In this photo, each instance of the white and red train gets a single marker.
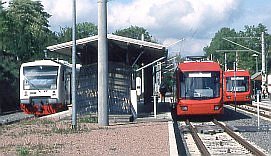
(45, 86)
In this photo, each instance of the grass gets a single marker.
(22, 151)
(88, 119)
(39, 149)
(37, 122)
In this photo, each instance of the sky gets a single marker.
(168, 21)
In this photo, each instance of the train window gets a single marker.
(200, 85)
(40, 77)
(238, 84)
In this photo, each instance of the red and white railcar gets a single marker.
(199, 88)
(237, 88)
(45, 86)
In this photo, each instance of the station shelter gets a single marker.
(125, 57)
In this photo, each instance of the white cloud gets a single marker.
(166, 20)
(61, 11)
(171, 19)
(187, 47)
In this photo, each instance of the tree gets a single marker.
(2, 27)
(245, 59)
(24, 35)
(84, 29)
(27, 28)
(135, 32)
(218, 43)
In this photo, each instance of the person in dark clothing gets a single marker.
(163, 90)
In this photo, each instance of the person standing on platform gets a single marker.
(163, 90)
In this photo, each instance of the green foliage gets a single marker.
(24, 34)
(88, 119)
(218, 43)
(135, 32)
(9, 88)
(22, 151)
(84, 29)
(2, 27)
(249, 37)
(27, 29)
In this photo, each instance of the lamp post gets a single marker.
(256, 59)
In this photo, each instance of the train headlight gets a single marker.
(247, 97)
(217, 107)
(184, 108)
(228, 97)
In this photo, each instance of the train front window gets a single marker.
(40, 77)
(241, 83)
(199, 85)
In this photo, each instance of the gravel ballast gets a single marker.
(240, 118)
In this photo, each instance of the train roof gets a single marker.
(237, 73)
(47, 62)
(199, 66)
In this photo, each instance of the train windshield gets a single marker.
(200, 85)
(40, 77)
(240, 82)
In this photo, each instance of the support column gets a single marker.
(263, 65)
(102, 64)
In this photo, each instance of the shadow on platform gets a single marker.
(147, 110)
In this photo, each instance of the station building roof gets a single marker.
(120, 49)
(257, 76)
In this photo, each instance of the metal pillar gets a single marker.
(225, 61)
(256, 60)
(235, 68)
(263, 64)
(236, 60)
(102, 64)
(74, 112)
(142, 81)
(258, 110)
(257, 68)
(160, 73)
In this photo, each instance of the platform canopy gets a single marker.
(257, 76)
(120, 49)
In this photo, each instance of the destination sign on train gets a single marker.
(199, 74)
(237, 78)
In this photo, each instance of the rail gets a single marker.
(240, 140)
(203, 150)
(254, 112)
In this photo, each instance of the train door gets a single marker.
(67, 87)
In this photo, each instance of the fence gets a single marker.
(119, 76)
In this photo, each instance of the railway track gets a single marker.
(213, 138)
(265, 112)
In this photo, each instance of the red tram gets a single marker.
(237, 87)
(199, 88)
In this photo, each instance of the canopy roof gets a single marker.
(120, 49)
(257, 76)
